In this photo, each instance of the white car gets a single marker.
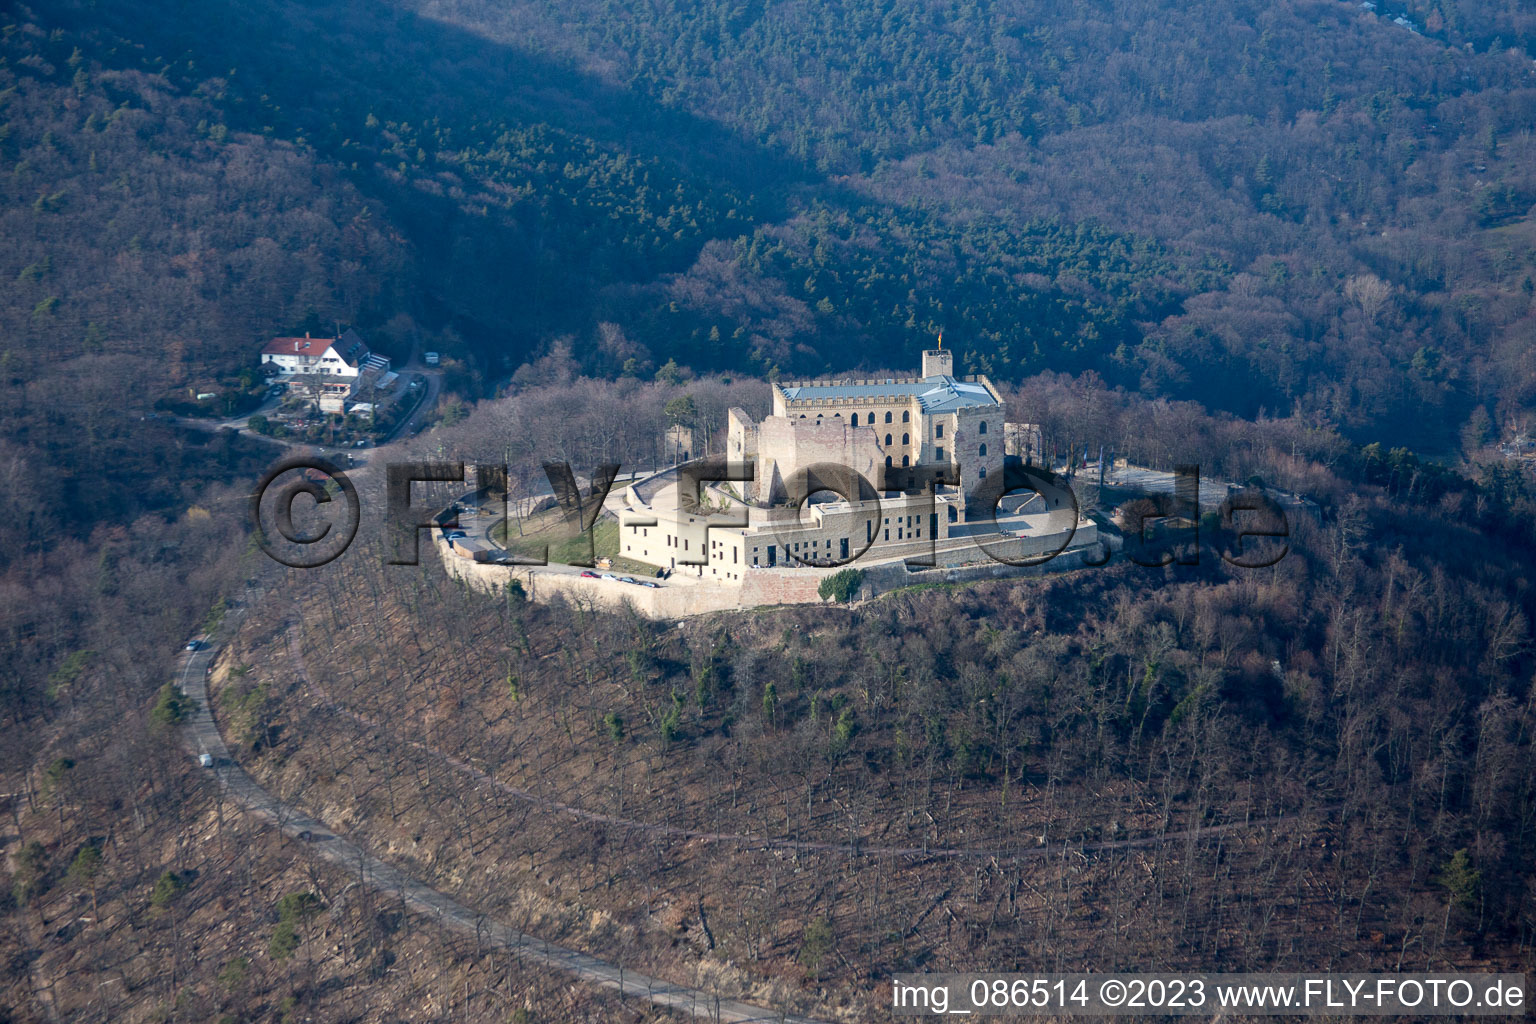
(193, 645)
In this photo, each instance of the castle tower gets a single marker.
(938, 362)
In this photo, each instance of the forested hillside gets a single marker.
(1327, 762)
(1344, 203)
(1306, 195)
(1264, 236)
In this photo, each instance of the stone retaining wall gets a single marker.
(758, 588)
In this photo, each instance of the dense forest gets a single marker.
(1307, 195)
(1292, 242)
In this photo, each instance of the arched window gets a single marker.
(887, 417)
(983, 474)
(853, 420)
(887, 440)
(888, 462)
(906, 460)
(906, 438)
(983, 451)
(983, 428)
(906, 417)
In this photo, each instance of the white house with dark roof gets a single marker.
(330, 368)
(345, 355)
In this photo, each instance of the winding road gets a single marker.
(203, 736)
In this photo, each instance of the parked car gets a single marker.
(609, 576)
(648, 583)
(454, 535)
(589, 574)
(206, 760)
(193, 645)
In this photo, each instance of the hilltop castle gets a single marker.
(789, 498)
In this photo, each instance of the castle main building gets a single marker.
(935, 419)
(720, 530)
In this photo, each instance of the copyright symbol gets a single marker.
(1112, 992)
(272, 512)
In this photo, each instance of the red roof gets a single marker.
(305, 346)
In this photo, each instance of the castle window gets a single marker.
(906, 417)
(887, 440)
(938, 430)
(983, 474)
(888, 462)
(983, 428)
(939, 453)
(853, 420)
(887, 417)
(906, 438)
(906, 460)
(983, 450)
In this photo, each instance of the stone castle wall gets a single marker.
(956, 563)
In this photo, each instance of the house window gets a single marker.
(983, 428)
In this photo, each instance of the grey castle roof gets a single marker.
(934, 394)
